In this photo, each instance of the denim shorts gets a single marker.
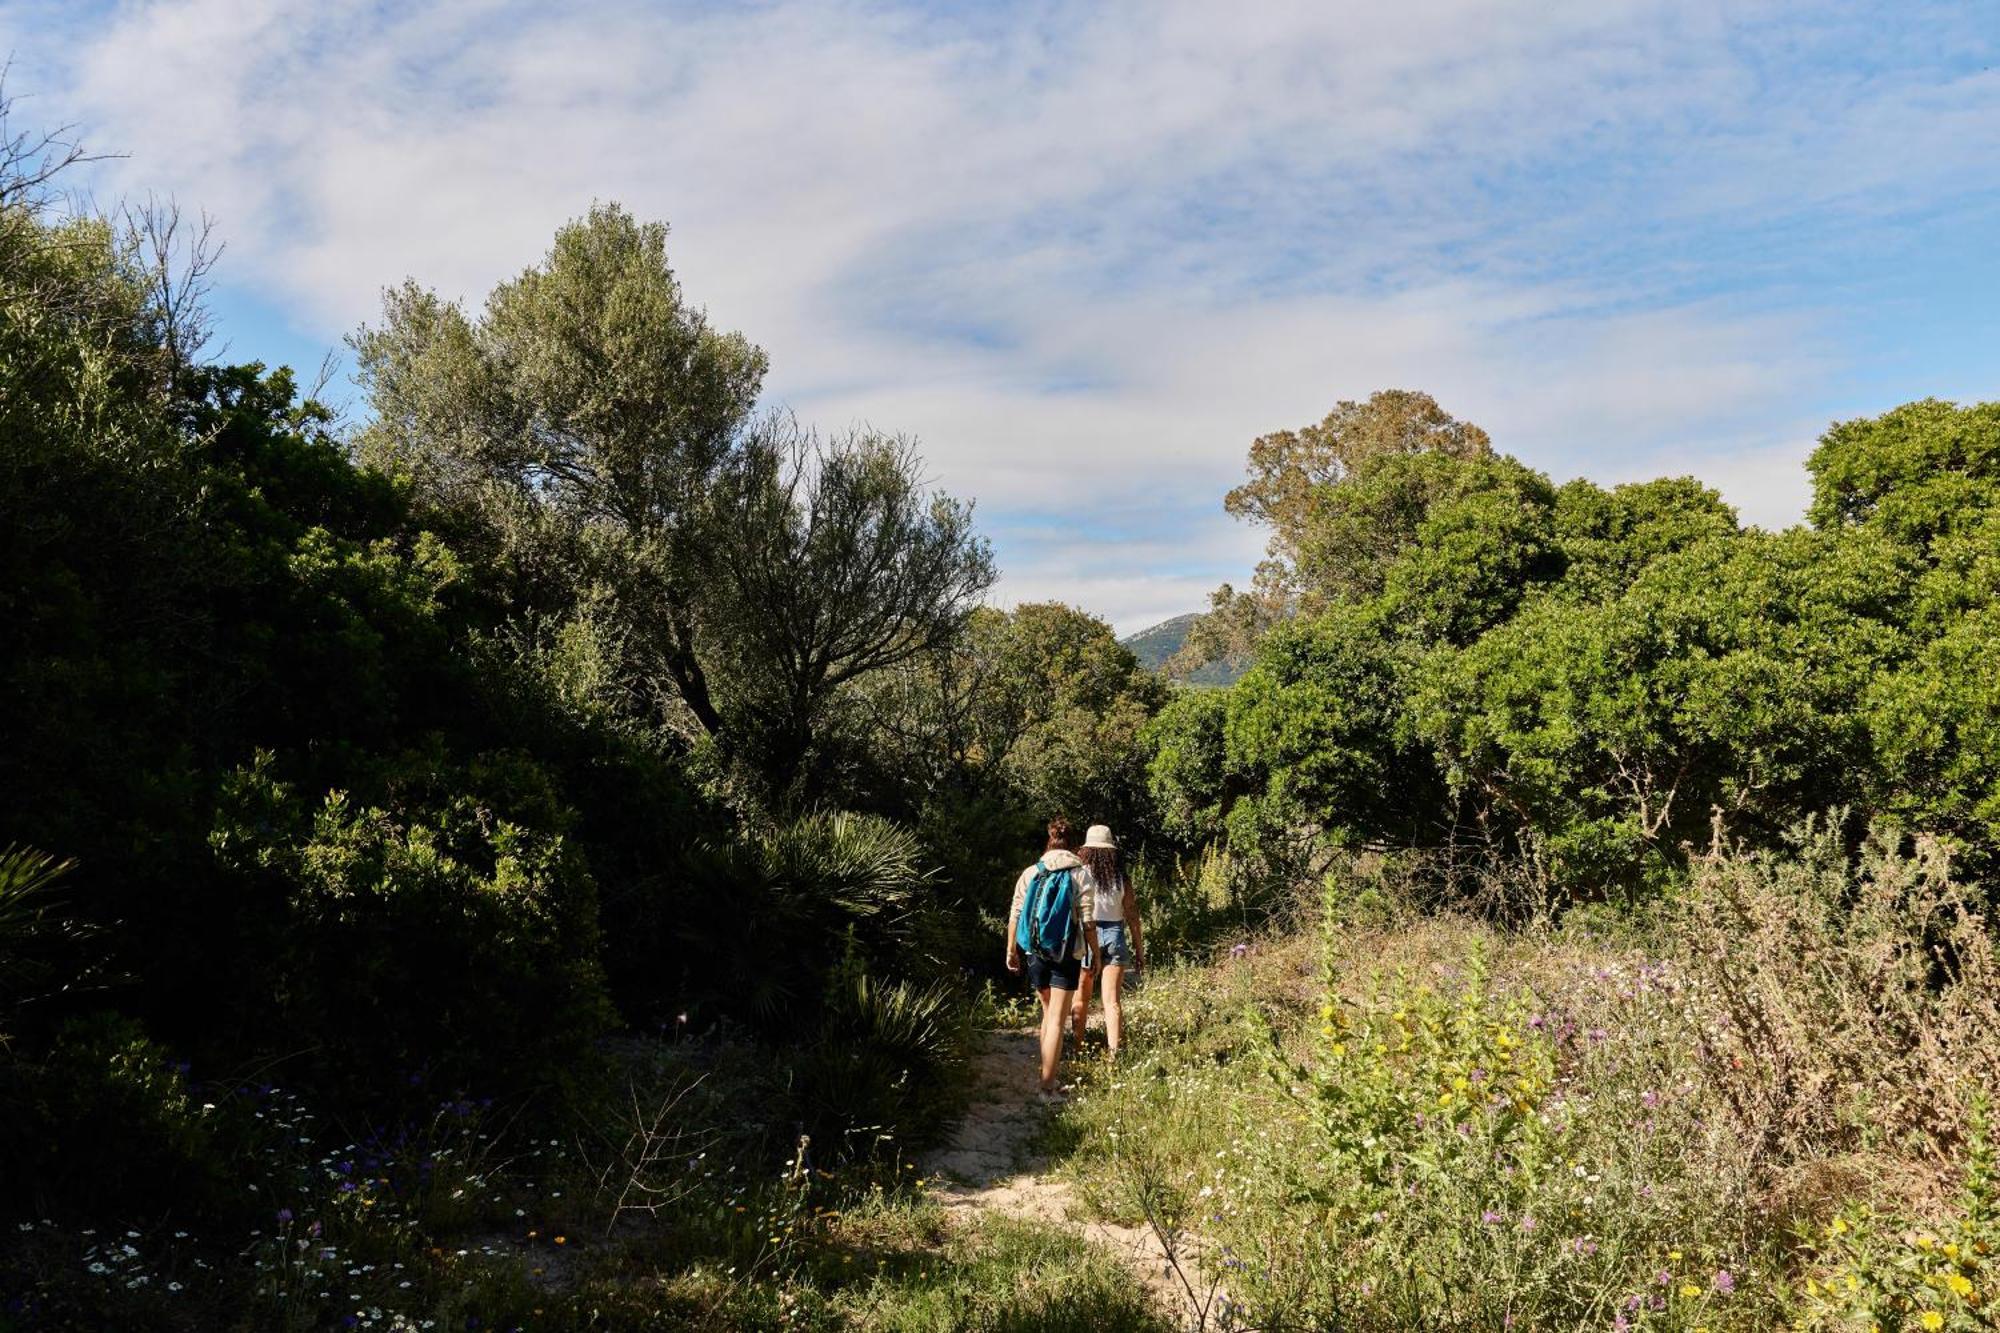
(1114, 945)
(1044, 975)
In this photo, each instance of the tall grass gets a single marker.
(1760, 1112)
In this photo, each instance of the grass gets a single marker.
(662, 1198)
(1762, 1106)
(1761, 1111)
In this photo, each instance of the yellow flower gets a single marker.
(1674, 1255)
(1690, 1290)
(1926, 1241)
(1839, 1227)
(1951, 1249)
(1960, 1284)
(1932, 1320)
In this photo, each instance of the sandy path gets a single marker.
(988, 1167)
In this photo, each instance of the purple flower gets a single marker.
(1725, 1282)
(1239, 951)
(1490, 1218)
(1663, 1277)
(284, 1214)
(1621, 1324)
(1649, 1099)
(1528, 1222)
(1584, 1246)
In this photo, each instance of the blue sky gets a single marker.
(1087, 252)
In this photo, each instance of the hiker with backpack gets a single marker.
(1117, 941)
(1048, 934)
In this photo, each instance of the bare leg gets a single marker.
(1054, 1004)
(1114, 1007)
(1079, 1008)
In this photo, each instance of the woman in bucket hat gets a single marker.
(1118, 938)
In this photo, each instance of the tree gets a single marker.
(1293, 477)
(1318, 728)
(1288, 468)
(1729, 679)
(1919, 473)
(587, 414)
(828, 562)
(599, 431)
(1609, 536)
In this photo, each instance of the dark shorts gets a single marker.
(1044, 975)
(1114, 945)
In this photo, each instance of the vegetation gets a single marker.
(533, 858)
(1763, 1109)
(1578, 680)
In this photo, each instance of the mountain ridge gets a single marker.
(1155, 647)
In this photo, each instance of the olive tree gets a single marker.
(590, 422)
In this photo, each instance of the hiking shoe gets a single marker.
(1051, 1096)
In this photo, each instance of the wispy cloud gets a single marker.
(1087, 252)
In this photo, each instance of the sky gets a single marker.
(1086, 252)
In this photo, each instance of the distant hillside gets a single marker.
(1154, 646)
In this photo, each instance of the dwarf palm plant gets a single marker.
(33, 932)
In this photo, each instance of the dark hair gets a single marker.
(1104, 867)
(1062, 836)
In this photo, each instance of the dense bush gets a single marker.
(1581, 679)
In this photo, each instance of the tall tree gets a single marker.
(600, 431)
(1292, 475)
(829, 561)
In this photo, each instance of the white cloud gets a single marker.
(1087, 249)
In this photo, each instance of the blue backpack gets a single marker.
(1047, 926)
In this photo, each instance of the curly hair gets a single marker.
(1104, 868)
(1062, 835)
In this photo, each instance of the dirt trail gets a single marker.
(989, 1167)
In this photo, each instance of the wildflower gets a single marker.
(284, 1215)
(1690, 1290)
(1725, 1282)
(1528, 1223)
(1960, 1284)
(1490, 1218)
(1932, 1320)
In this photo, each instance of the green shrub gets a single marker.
(438, 938)
(882, 1074)
(105, 1125)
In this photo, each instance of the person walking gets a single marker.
(1048, 934)
(1118, 940)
